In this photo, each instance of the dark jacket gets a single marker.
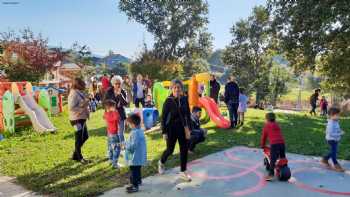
(121, 101)
(195, 123)
(314, 98)
(214, 89)
(171, 116)
(231, 92)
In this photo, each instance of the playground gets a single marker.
(41, 164)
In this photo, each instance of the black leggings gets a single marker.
(135, 175)
(139, 101)
(313, 109)
(81, 135)
(176, 133)
(277, 151)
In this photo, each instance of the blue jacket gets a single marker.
(333, 131)
(135, 148)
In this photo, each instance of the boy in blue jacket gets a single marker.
(135, 152)
(333, 135)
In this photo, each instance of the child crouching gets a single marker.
(135, 152)
(197, 133)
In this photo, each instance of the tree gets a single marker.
(278, 78)
(148, 64)
(196, 65)
(121, 69)
(26, 56)
(249, 54)
(310, 30)
(178, 27)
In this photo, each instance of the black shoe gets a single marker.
(132, 189)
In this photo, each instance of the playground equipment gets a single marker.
(49, 98)
(149, 116)
(18, 108)
(160, 93)
(282, 171)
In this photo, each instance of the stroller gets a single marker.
(282, 171)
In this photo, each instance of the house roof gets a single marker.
(70, 66)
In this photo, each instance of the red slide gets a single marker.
(214, 113)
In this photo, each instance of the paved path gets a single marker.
(8, 188)
(239, 172)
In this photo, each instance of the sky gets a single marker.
(103, 27)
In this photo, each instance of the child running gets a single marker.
(112, 117)
(323, 106)
(135, 152)
(272, 132)
(242, 106)
(333, 135)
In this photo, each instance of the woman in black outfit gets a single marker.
(175, 127)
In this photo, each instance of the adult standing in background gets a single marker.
(139, 91)
(148, 85)
(313, 101)
(78, 114)
(127, 86)
(232, 100)
(119, 96)
(214, 88)
(105, 84)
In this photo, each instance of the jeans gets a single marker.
(232, 110)
(138, 101)
(135, 175)
(276, 151)
(333, 146)
(113, 149)
(121, 130)
(81, 135)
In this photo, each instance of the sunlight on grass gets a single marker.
(42, 162)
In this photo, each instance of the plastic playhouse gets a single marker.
(49, 98)
(161, 91)
(19, 108)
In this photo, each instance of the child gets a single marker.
(92, 104)
(149, 102)
(135, 152)
(273, 132)
(324, 106)
(333, 135)
(112, 117)
(197, 133)
(242, 107)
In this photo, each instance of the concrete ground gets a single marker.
(239, 171)
(9, 188)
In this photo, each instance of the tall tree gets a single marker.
(248, 53)
(26, 56)
(178, 27)
(312, 29)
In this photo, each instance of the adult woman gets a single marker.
(78, 114)
(127, 86)
(139, 93)
(175, 127)
(119, 96)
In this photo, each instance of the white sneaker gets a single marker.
(161, 167)
(185, 176)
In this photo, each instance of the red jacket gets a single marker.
(272, 132)
(112, 120)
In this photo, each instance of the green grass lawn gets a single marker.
(42, 162)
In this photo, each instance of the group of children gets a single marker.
(273, 133)
(135, 147)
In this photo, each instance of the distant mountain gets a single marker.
(111, 60)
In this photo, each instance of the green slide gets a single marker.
(159, 96)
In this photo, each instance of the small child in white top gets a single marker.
(242, 107)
